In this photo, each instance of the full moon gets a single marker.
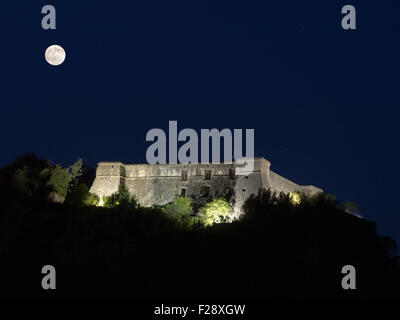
(55, 55)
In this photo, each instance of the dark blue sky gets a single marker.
(323, 101)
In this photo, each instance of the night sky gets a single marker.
(324, 102)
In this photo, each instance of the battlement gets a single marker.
(164, 170)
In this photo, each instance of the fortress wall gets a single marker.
(110, 169)
(161, 183)
(104, 186)
(265, 169)
(250, 183)
(280, 184)
(155, 190)
(161, 190)
(245, 186)
(175, 170)
(310, 190)
(108, 178)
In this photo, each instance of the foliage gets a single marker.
(140, 251)
(121, 199)
(24, 184)
(58, 179)
(88, 175)
(216, 211)
(180, 206)
(181, 210)
(295, 197)
(30, 179)
(23, 180)
(75, 170)
(90, 199)
(80, 196)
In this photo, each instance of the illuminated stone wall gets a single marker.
(161, 183)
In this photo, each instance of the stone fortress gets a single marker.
(158, 184)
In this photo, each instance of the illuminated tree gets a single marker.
(216, 211)
(121, 199)
(181, 209)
